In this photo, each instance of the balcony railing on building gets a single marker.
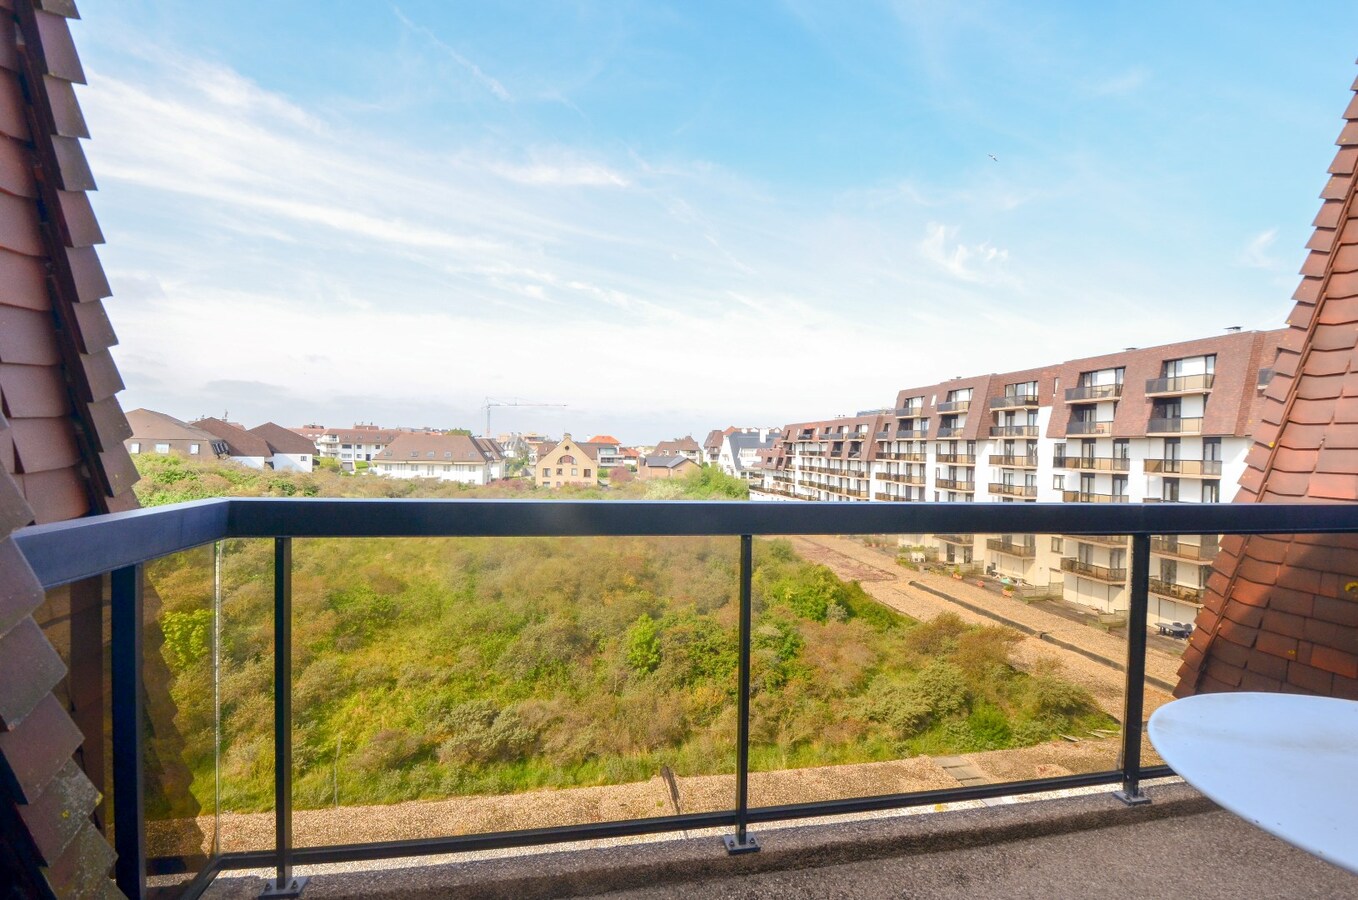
(1014, 401)
(953, 406)
(1093, 463)
(1013, 490)
(907, 434)
(1014, 462)
(1180, 384)
(1078, 426)
(1011, 548)
(1091, 497)
(951, 431)
(1206, 551)
(1105, 540)
(880, 495)
(1093, 392)
(1098, 573)
(1173, 425)
(1204, 468)
(904, 457)
(1029, 431)
(116, 548)
(957, 459)
(955, 484)
(1180, 592)
(901, 477)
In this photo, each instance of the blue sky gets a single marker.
(671, 218)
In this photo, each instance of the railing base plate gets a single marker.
(1132, 798)
(292, 889)
(734, 846)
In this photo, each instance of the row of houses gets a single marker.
(1167, 424)
(265, 446)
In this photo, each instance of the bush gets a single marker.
(481, 734)
(643, 645)
(387, 750)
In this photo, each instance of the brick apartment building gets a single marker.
(1168, 424)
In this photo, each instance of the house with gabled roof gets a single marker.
(670, 466)
(685, 446)
(447, 457)
(157, 432)
(566, 462)
(241, 446)
(289, 451)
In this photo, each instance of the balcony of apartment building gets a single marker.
(1171, 545)
(901, 477)
(955, 484)
(1091, 393)
(956, 459)
(960, 539)
(1015, 401)
(950, 431)
(1171, 425)
(1014, 461)
(1193, 468)
(1091, 497)
(1014, 431)
(953, 406)
(892, 498)
(1103, 540)
(1180, 592)
(1180, 385)
(1092, 463)
(1008, 546)
(1095, 572)
(1009, 489)
(904, 455)
(1089, 426)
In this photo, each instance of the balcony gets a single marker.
(904, 457)
(902, 478)
(883, 435)
(892, 498)
(1098, 573)
(1182, 593)
(1172, 425)
(1103, 540)
(1172, 546)
(953, 484)
(952, 406)
(1014, 401)
(1093, 392)
(1093, 463)
(1091, 497)
(1178, 385)
(1008, 547)
(116, 548)
(951, 431)
(909, 412)
(1014, 462)
(1197, 468)
(908, 434)
(1077, 426)
(1013, 490)
(957, 459)
(1029, 431)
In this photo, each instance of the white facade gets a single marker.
(443, 470)
(292, 462)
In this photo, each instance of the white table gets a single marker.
(1287, 763)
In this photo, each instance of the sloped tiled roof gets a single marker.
(149, 425)
(61, 439)
(425, 446)
(1278, 612)
(283, 440)
(239, 442)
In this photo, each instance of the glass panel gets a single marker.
(466, 685)
(180, 751)
(900, 663)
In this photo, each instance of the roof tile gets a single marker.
(58, 50)
(39, 746)
(33, 391)
(26, 337)
(20, 593)
(79, 228)
(96, 332)
(29, 669)
(56, 816)
(67, 119)
(16, 170)
(57, 495)
(1310, 679)
(19, 229)
(23, 282)
(41, 445)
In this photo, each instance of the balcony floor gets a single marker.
(1069, 847)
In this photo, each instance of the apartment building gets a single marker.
(1166, 424)
(447, 457)
(360, 444)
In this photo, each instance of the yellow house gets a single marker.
(568, 462)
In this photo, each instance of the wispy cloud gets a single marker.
(1121, 84)
(488, 82)
(1256, 252)
(981, 263)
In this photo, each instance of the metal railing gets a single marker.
(1013, 490)
(958, 459)
(949, 406)
(1018, 462)
(1078, 427)
(1000, 545)
(1210, 468)
(1206, 551)
(120, 545)
(1010, 401)
(1013, 431)
(1181, 592)
(950, 431)
(1181, 384)
(1089, 570)
(1174, 425)
(1091, 497)
(955, 484)
(1093, 392)
(1093, 463)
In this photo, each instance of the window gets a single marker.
(575, 473)
(162, 448)
(1058, 544)
(1211, 492)
(303, 457)
(1211, 448)
(560, 471)
(1122, 448)
(134, 447)
(1170, 493)
(546, 473)
(193, 449)
(587, 473)
(1172, 447)
(1059, 482)
(1120, 488)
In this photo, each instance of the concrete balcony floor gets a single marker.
(1080, 846)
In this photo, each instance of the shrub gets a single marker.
(643, 645)
(481, 733)
(386, 750)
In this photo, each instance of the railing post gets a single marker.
(129, 819)
(1135, 689)
(741, 841)
(284, 884)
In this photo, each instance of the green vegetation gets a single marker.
(436, 667)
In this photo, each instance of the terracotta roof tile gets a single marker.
(23, 282)
(16, 170)
(39, 746)
(1308, 290)
(96, 332)
(19, 229)
(1335, 661)
(41, 445)
(33, 391)
(1322, 239)
(82, 871)
(79, 228)
(90, 281)
(55, 496)
(56, 816)
(26, 337)
(67, 120)
(29, 669)
(20, 593)
(101, 376)
(1309, 679)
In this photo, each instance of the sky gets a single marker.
(668, 218)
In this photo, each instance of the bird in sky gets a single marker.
(992, 156)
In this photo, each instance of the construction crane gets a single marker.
(491, 404)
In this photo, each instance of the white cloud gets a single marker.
(491, 84)
(981, 263)
(1255, 254)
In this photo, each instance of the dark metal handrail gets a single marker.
(120, 544)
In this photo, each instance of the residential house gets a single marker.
(352, 446)
(608, 451)
(712, 444)
(156, 432)
(290, 451)
(685, 446)
(671, 466)
(241, 446)
(566, 462)
(447, 457)
(740, 449)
